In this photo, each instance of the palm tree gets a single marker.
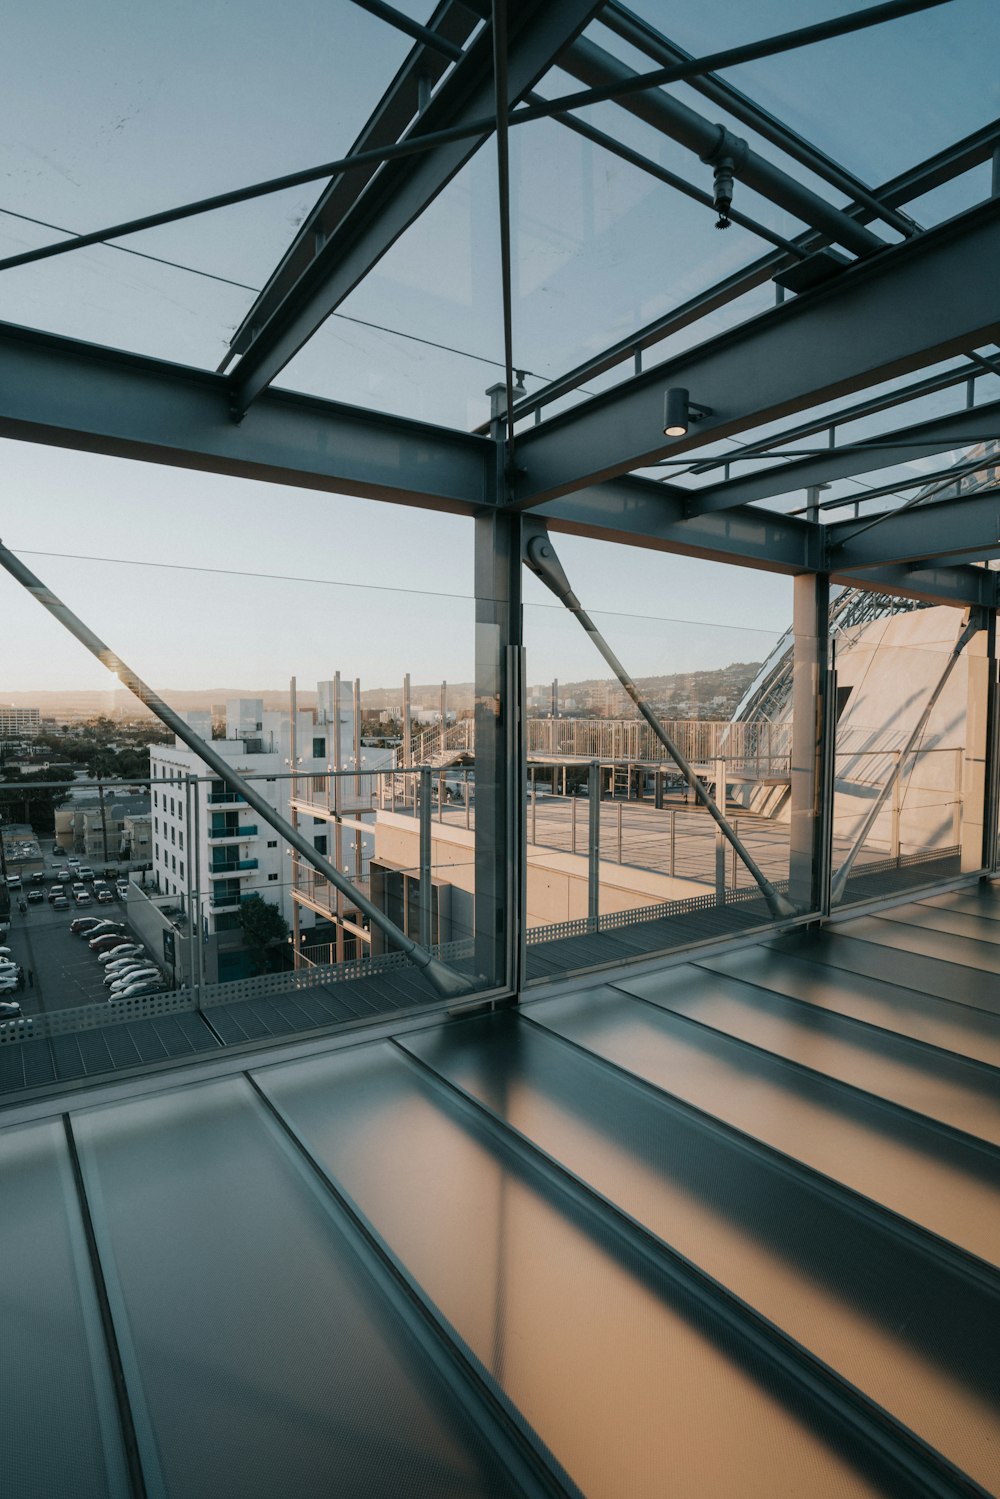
(102, 763)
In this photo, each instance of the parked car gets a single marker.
(60, 903)
(83, 924)
(99, 941)
(73, 862)
(36, 896)
(104, 896)
(9, 1009)
(128, 972)
(13, 882)
(133, 976)
(144, 986)
(5, 952)
(55, 890)
(122, 888)
(38, 877)
(86, 873)
(83, 897)
(99, 933)
(123, 950)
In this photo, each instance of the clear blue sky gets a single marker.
(116, 109)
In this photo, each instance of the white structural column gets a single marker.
(978, 809)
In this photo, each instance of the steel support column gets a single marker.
(500, 793)
(991, 788)
(813, 714)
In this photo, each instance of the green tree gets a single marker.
(20, 801)
(265, 932)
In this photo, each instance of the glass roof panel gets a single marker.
(422, 335)
(601, 248)
(137, 118)
(877, 100)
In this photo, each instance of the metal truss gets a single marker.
(853, 333)
(473, 73)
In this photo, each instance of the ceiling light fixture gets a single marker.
(679, 411)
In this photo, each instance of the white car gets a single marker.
(133, 983)
(128, 961)
(5, 952)
(126, 976)
(143, 986)
(123, 950)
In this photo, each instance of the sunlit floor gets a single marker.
(727, 1228)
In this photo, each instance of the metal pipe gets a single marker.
(196, 931)
(541, 557)
(598, 69)
(594, 845)
(839, 883)
(445, 979)
(293, 756)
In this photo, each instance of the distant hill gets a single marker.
(681, 694)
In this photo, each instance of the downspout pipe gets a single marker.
(445, 980)
(839, 883)
(713, 143)
(540, 556)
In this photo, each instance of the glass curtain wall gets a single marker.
(911, 741)
(635, 845)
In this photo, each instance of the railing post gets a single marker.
(196, 917)
(594, 845)
(572, 826)
(896, 809)
(425, 856)
(534, 805)
(720, 867)
(619, 832)
(673, 840)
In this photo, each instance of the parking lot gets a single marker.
(64, 970)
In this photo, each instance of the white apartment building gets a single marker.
(209, 850)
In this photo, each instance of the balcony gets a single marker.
(225, 798)
(233, 834)
(232, 868)
(227, 902)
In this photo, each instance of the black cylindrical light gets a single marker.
(675, 412)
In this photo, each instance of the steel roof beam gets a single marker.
(921, 301)
(958, 430)
(940, 584)
(637, 512)
(957, 159)
(772, 445)
(294, 306)
(73, 395)
(633, 512)
(964, 525)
